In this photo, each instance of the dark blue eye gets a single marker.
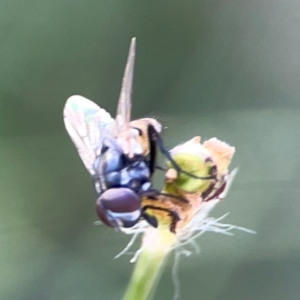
(119, 207)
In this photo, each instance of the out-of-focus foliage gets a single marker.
(219, 68)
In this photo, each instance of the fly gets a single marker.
(119, 154)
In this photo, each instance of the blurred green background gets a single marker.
(229, 69)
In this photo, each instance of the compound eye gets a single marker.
(119, 207)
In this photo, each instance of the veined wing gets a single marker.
(123, 114)
(86, 124)
(125, 136)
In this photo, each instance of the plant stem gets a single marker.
(156, 246)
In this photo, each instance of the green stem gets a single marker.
(147, 271)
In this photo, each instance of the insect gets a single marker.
(120, 154)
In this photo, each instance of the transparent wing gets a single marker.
(123, 114)
(86, 124)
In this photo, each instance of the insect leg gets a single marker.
(150, 219)
(153, 154)
(153, 194)
(172, 214)
(152, 150)
(154, 135)
(160, 168)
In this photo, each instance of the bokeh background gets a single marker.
(229, 69)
